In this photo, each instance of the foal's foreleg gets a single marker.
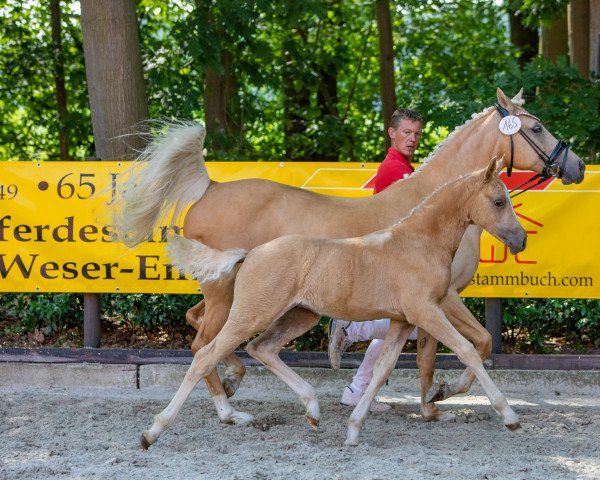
(393, 344)
(265, 348)
(234, 367)
(462, 319)
(432, 318)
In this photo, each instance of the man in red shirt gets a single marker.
(405, 132)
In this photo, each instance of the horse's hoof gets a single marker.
(229, 387)
(440, 417)
(313, 422)
(437, 392)
(513, 427)
(144, 443)
(239, 418)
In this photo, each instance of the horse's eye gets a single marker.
(537, 129)
(499, 203)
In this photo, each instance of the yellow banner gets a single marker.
(53, 239)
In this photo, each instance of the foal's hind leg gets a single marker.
(205, 361)
(266, 347)
(462, 319)
(234, 367)
(218, 302)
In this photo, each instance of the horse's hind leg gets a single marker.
(234, 367)
(426, 352)
(431, 317)
(266, 347)
(462, 319)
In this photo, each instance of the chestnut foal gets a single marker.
(410, 262)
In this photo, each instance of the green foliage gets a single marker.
(528, 323)
(542, 319)
(148, 311)
(44, 311)
(29, 125)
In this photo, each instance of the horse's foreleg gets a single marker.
(432, 318)
(393, 344)
(426, 352)
(462, 319)
(265, 348)
(234, 367)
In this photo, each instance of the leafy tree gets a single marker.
(28, 63)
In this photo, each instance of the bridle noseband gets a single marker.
(551, 169)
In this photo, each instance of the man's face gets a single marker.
(406, 137)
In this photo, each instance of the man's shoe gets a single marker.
(338, 341)
(351, 399)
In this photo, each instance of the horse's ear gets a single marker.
(518, 98)
(503, 100)
(494, 168)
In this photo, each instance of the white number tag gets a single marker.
(510, 124)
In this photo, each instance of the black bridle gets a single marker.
(551, 169)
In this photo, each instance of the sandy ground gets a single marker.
(93, 433)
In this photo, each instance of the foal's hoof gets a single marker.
(438, 392)
(513, 427)
(144, 442)
(313, 422)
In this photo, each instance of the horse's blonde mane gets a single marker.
(476, 116)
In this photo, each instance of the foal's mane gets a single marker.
(465, 184)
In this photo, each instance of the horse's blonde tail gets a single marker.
(173, 176)
(204, 263)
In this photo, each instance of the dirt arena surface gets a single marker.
(93, 433)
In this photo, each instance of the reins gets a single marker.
(551, 169)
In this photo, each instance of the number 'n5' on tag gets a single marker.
(510, 124)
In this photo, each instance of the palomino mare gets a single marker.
(247, 213)
(411, 261)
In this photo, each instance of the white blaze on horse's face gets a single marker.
(567, 166)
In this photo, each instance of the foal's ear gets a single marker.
(494, 168)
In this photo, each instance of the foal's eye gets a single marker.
(537, 128)
(499, 203)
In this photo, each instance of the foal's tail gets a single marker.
(173, 176)
(204, 263)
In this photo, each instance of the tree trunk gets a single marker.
(386, 63)
(118, 102)
(219, 95)
(578, 13)
(554, 39)
(296, 102)
(594, 33)
(114, 74)
(526, 39)
(60, 91)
